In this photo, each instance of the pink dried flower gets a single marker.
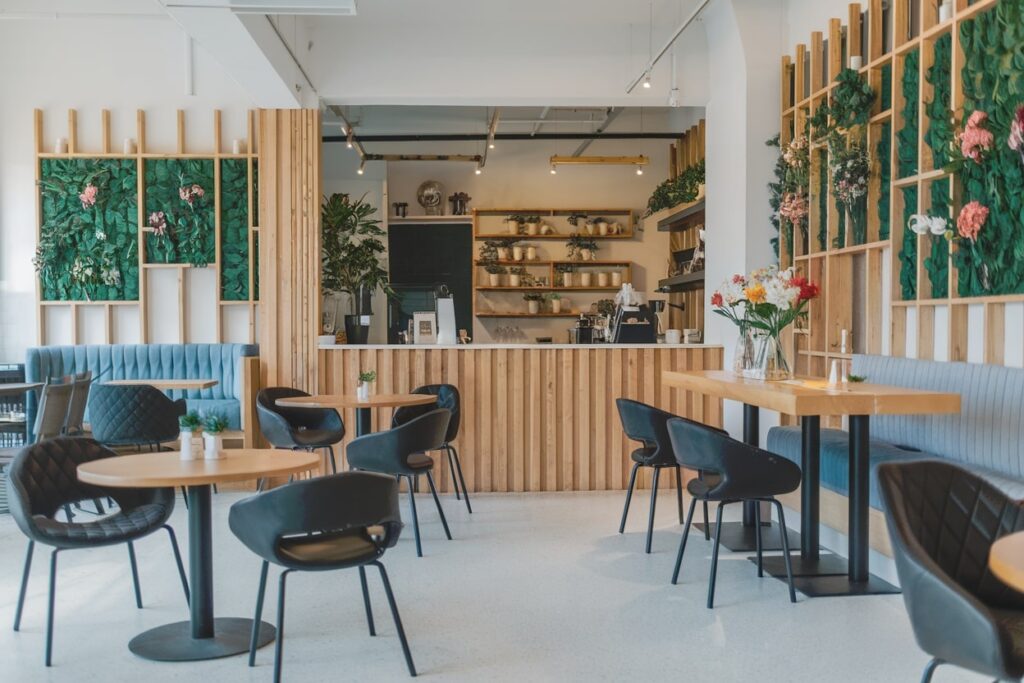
(975, 139)
(794, 208)
(88, 196)
(158, 223)
(971, 219)
(197, 191)
(1016, 139)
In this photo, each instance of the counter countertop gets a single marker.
(483, 347)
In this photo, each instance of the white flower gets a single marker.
(100, 235)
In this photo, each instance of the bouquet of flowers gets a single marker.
(851, 169)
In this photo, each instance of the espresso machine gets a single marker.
(634, 322)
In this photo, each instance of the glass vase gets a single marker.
(743, 357)
(772, 365)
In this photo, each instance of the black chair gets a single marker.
(746, 473)
(942, 522)
(646, 424)
(43, 478)
(52, 414)
(334, 522)
(303, 429)
(133, 415)
(80, 385)
(400, 452)
(449, 399)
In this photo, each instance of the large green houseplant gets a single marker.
(352, 258)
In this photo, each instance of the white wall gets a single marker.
(89, 65)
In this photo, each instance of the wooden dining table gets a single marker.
(166, 384)
(810, 400)
(15, 388)
(203, 636)
(1006, 560)
(363, 408)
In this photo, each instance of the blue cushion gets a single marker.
(147, 361)
(835, 457)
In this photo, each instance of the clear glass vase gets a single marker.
(744, 360)
(772, 365)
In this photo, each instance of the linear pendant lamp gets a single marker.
(638, 161)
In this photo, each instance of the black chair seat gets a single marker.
(329, 550)
(123, 526)
(419, 461)
(644, 455)
(317, 438)
(698, 488)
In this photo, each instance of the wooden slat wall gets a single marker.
(289, 194)
(533, 419)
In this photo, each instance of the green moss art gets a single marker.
(936, 264)
(182, 191)
(883, 152)
(255, 192)
(88, 246)
(822, 200)
(908, 252)
(906, 137)
(993, 82)
(839, 241)
(886, 95)
(939, 134)
(256, 266)
(234, 230)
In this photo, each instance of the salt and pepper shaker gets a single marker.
(842, 349)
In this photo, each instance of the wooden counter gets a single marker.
(534, 417)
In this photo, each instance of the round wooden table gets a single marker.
(1006, 560)
(202, 636)
(363, 408)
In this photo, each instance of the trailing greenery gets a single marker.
(234, 230)
(936, 264)
(822, 200)
(908, 252)
(88, 245)
(679, 190)
(352, 250)
(789, 190)
(775, 198)
(993, 82)
(939, 135)
(883, 152)
(906, 137)
(850, 102)
(182, 190)
(886, 87)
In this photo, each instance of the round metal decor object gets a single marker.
(430, 195)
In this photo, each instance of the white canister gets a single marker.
(323, 339)
(585, 279)
(616, 279)
(567, 279)
(191, 445)
(513, 280)
(495, 279)
(531, 253)
(673, 336)
(602, 279)
(213, 446)
(602, 228)
(128, 146)
(533, 307)
(517, 253)
(513, 227)
(556, 305)
(532, 228)
(856, 62)
(237, 146)
(503, 253)
(61, 146)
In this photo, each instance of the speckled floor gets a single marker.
(535, 587)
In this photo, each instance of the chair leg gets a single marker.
(462, 480)
(437, 501)
(757, 526)
(415, 517)
(334, 462)
(257, 620)
(99, 506)
(177, 561)
(451, 468)
(682, 541)
(135, 574)
(785, 549)
(714, 556)
(68, 513)
(707, 525)
(366, 600)
(398, 619)
(49, 606)
(184, 495)
(679, 493)
(629, 496)
(929, 670)
(650, 515)
(24, 585)
(279, 641)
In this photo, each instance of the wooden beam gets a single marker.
(853, 31)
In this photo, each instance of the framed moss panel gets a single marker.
(88, 238)
(938, 134)
(180, 211)
(936, 263)
(906, 136)
(908, 250)
(234, 229)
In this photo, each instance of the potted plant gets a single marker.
(564, 271)
(515, 276)
(581, 247)
(366, 380)
(352, 258)
(191, 426)
(600, 226)
(517, 253)
(532, 224)
(556, 302)
(214, 425)
(533, 302)
(494, 273)
(514, 221)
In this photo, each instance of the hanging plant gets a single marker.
(682, 189)
(788, 194)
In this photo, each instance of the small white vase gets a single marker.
(531, 253)
(602, 279)
(617, 279)
(503, 253)
(585, 279)
(532, 228)
(602, 229)
(517, 253)
(556, 305)
(363, 392)
(513, 280)
(533, 307)
(567, 279)
(513, 227)
(590, 228)
(213, 446)
(495, 279)
(191, 445)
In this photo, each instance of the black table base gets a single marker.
(741, 538)
(825, 564)
(838, 586)
(174, 642)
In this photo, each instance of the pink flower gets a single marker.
(185, 193)
(197, 191)
(977, 118)
(1016, 139)
(794, 207)
(88, 196)
(971, 219)
(158, 223)
(975, 139)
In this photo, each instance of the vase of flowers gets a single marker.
(767, 301)
(213, 436)
(850, 170)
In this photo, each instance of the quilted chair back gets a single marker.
(43, 477)
(133, 414)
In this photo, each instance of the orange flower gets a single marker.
(755, 294)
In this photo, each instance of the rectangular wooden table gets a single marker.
(166, 384)
(810, 400)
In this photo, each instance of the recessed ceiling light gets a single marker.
(647, 81)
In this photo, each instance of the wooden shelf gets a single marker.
(526, 314)
(668, 220)
(557, 236)
(683, 281)
(454, 220)
(547, 262)
(595, 288)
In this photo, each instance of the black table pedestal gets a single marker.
(203, 636)
(363, 424)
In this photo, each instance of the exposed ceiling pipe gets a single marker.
(492, 130)
(610, 116)
(661, 53)
(540, 122)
